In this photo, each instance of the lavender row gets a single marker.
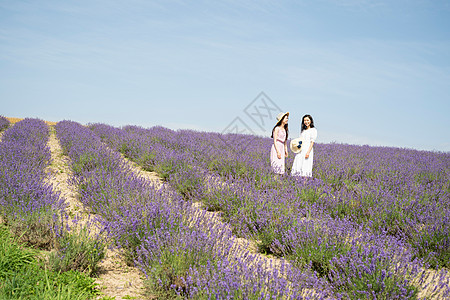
(273, 215)
(192, 257)
(28, 205)
(4, 123)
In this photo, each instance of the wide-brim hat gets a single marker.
(296, 145)
(281, 115)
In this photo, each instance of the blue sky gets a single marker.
(369, 72)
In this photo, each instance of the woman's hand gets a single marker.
(278, 155)
(307, 155)
(286, 153)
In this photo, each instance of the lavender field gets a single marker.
(367, 226)
(372, 223)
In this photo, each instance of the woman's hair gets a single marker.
(286, 127)
(303, 126)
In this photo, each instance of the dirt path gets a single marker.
(116, 279)
(150, 176)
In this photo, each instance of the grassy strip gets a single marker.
(25, 275)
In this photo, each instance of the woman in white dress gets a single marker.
(303, 161)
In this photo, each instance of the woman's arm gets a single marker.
(309, 150)
(313, 139)
(285, 149)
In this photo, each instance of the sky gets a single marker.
(368, 72)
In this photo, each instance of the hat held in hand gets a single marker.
(296, 145)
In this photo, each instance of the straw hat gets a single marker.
(281, 116)
(296, 145)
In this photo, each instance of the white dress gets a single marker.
(303, 166)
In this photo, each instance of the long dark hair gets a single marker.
(286, 127)
(303, 126)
